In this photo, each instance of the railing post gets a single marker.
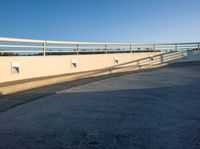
(106, 48)
(176, 47)
(77, 49)
(154, 47)
(130, 48)
(44, 48)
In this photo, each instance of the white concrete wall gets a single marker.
(87, 66)
(177, 57)
(40, 66)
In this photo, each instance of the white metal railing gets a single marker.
(14, 46)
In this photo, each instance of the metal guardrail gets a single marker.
(24, 47)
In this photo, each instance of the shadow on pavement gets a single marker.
(162, 117)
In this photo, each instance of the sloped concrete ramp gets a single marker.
(153, 110)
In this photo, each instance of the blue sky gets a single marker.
(102, 20)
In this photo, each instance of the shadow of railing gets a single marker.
(158, 60)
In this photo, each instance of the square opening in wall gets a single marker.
(151, 57)
(15, 68)
(74, 63)
(116, 60)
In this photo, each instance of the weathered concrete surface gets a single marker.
(155, 109)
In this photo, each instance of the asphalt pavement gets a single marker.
(157, 109)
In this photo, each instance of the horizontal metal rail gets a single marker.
(18, 51)
(20, 46)
(45, 47)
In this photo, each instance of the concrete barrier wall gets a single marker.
(40, 66)
(37, 71)
(177, 57)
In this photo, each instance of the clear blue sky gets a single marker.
(101, 20)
